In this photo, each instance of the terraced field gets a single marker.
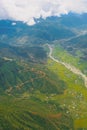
(75, 96)
(31, 114)
(43, 74)
(25, 102)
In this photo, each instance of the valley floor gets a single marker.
(68, 66)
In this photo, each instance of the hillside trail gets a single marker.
(68, 66)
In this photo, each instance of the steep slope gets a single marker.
(25, 91)
(28, 77)
(21, 114)
(77, 44)
(29, 53)
(37, 93)
(75, 50)
(41, 32)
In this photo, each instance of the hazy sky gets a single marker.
(26, 10)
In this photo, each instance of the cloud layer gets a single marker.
(27, 10)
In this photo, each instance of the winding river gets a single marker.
(68, 66)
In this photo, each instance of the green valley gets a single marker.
(43, 74)
(25, 101)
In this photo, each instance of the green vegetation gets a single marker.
(80, 124)
(36, 93)
(75, 96)
(28, 77)
(40, 96)
(25, 101)
(21, 114)
(63, 55)
(28, 53)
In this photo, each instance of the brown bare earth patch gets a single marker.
(59, 115)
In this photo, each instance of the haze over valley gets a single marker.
(43, 65)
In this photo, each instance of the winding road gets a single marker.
(68, 66)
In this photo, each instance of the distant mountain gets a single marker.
(22, 41)
(37, 93)
(77, 44)
(53, 28)
(46, 30)
(74, 20)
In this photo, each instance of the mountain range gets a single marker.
(36, 93)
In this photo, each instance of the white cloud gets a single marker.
(14, 23)
(27, 10)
